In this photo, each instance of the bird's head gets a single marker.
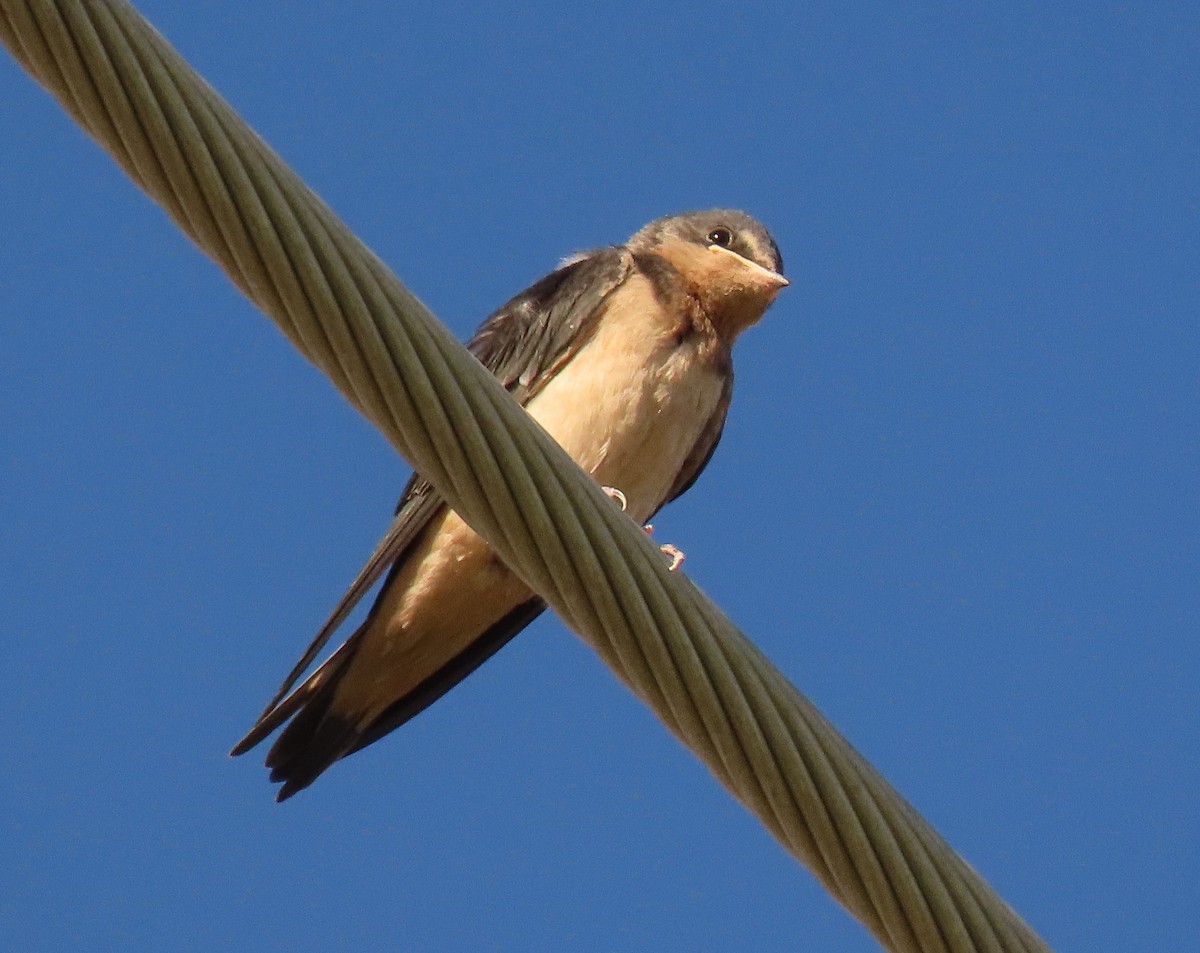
(728, 259)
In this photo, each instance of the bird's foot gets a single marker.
(673, 553)
(618, 496)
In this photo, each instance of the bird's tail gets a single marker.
(319, 733)
(316, 736)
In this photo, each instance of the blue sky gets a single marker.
(956, 501)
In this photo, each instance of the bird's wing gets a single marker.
(418, 504)
(705, 446)
(523, 343)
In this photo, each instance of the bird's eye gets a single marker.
(720, 236)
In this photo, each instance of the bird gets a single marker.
(623, 354)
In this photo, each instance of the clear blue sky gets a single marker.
(956, 501)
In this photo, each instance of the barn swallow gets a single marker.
(623, 355)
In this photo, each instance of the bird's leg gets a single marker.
(674, 554)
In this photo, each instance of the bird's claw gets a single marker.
(673, 553)
(618, 496)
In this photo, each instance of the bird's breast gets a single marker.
(630, 406)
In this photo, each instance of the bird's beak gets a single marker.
(766, 276)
